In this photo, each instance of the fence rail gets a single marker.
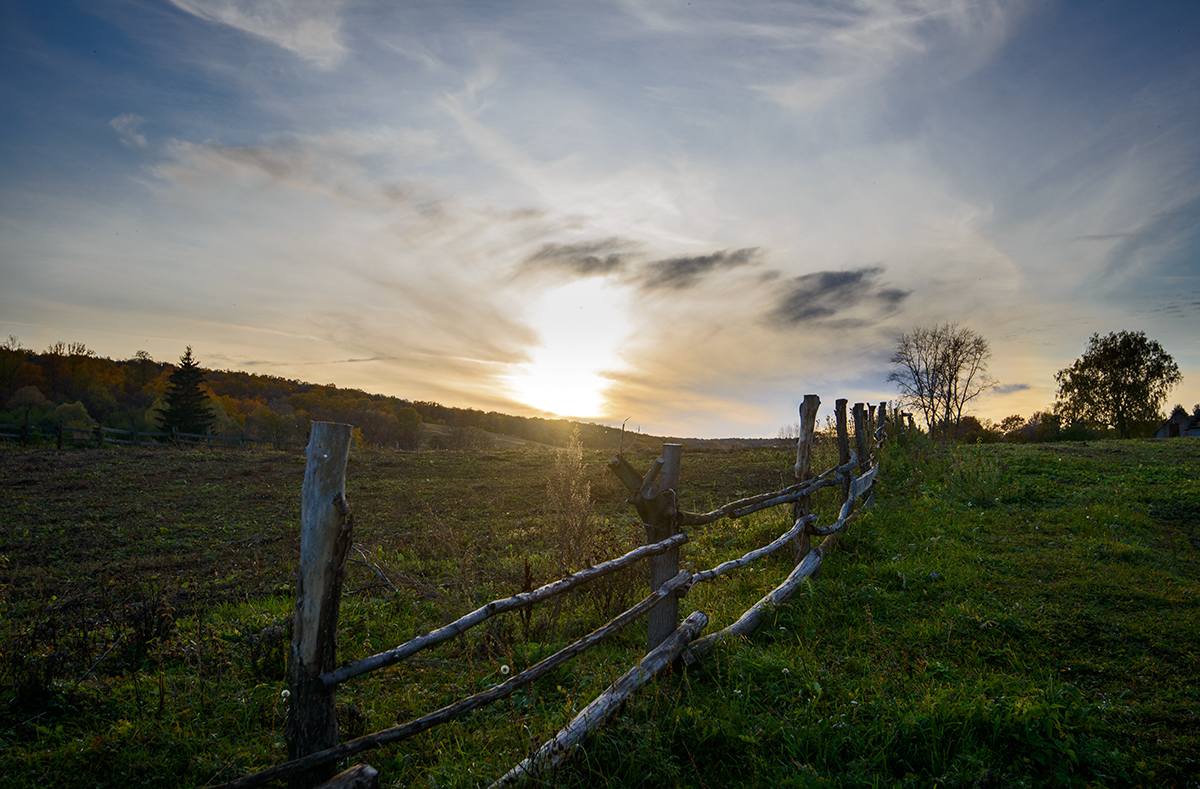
(326, 538)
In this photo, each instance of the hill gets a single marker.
(71, 384)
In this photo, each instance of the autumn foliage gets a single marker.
(69, 383)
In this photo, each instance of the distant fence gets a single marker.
(99, 436)
(325, 540)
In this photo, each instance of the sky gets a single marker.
(687, 215)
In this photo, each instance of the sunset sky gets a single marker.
(688, 214)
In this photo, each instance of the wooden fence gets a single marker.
(100, 436)
(326, 532)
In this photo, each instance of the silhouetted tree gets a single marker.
(187, 407)
(939, 370)
(1121, 381)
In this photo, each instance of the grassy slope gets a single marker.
(1016, 614)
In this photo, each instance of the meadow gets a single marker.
(1005, 615)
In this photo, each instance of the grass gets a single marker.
(1004, 616)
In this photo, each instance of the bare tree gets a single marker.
(939, 370)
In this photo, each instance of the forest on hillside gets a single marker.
(68, 383)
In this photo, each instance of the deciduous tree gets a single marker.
(1121, 381)
(939, 370)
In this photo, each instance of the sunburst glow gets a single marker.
(580, 325)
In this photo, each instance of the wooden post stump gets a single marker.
(843, 439)
(325, 538)
(804, 451)
(861, 447)
(664, 617)
(655, 495)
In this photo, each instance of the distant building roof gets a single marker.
(1180, 425)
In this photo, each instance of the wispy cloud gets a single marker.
(127, 125)
(310, 29)
(835, 47)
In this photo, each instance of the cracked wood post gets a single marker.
(804, 451)
(655, 495)
(664, 617)
(325, 526)
(860, 438)
(843, 440)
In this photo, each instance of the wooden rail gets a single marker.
(654, 494)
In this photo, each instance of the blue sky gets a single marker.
(688, 214)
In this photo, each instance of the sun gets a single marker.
(579, 326)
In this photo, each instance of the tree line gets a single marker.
(69, 383)
(1116, 388)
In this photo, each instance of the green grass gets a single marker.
(1005, 616)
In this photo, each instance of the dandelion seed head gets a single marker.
(504, 670)
(285, 693)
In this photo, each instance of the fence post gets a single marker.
(664, 617)
(656, 497)
(804, 450)
(860, 437)
(137, 441)
(843, 439)
(98, 431)
(325, 537)
(25, 429)
(60, 435)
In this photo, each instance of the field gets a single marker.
(1004, 616)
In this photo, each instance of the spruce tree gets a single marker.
(187, 408)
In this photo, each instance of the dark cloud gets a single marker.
(823, 294)
(685, 272)
(1010, 388)
(588, 259)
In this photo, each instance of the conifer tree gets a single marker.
(187, 408)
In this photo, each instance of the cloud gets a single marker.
(586, 259)
(823, 294)
(127, 125)
(344, 165)
(831, 49)
(309, 29)
(1010, 388)
(685, 272)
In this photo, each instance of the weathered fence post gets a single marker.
(655, 495)
(60, 435)
(804, 451)
(325, 536)
(860, 438)
(843, 439)
(664, 617)
(137, 441)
